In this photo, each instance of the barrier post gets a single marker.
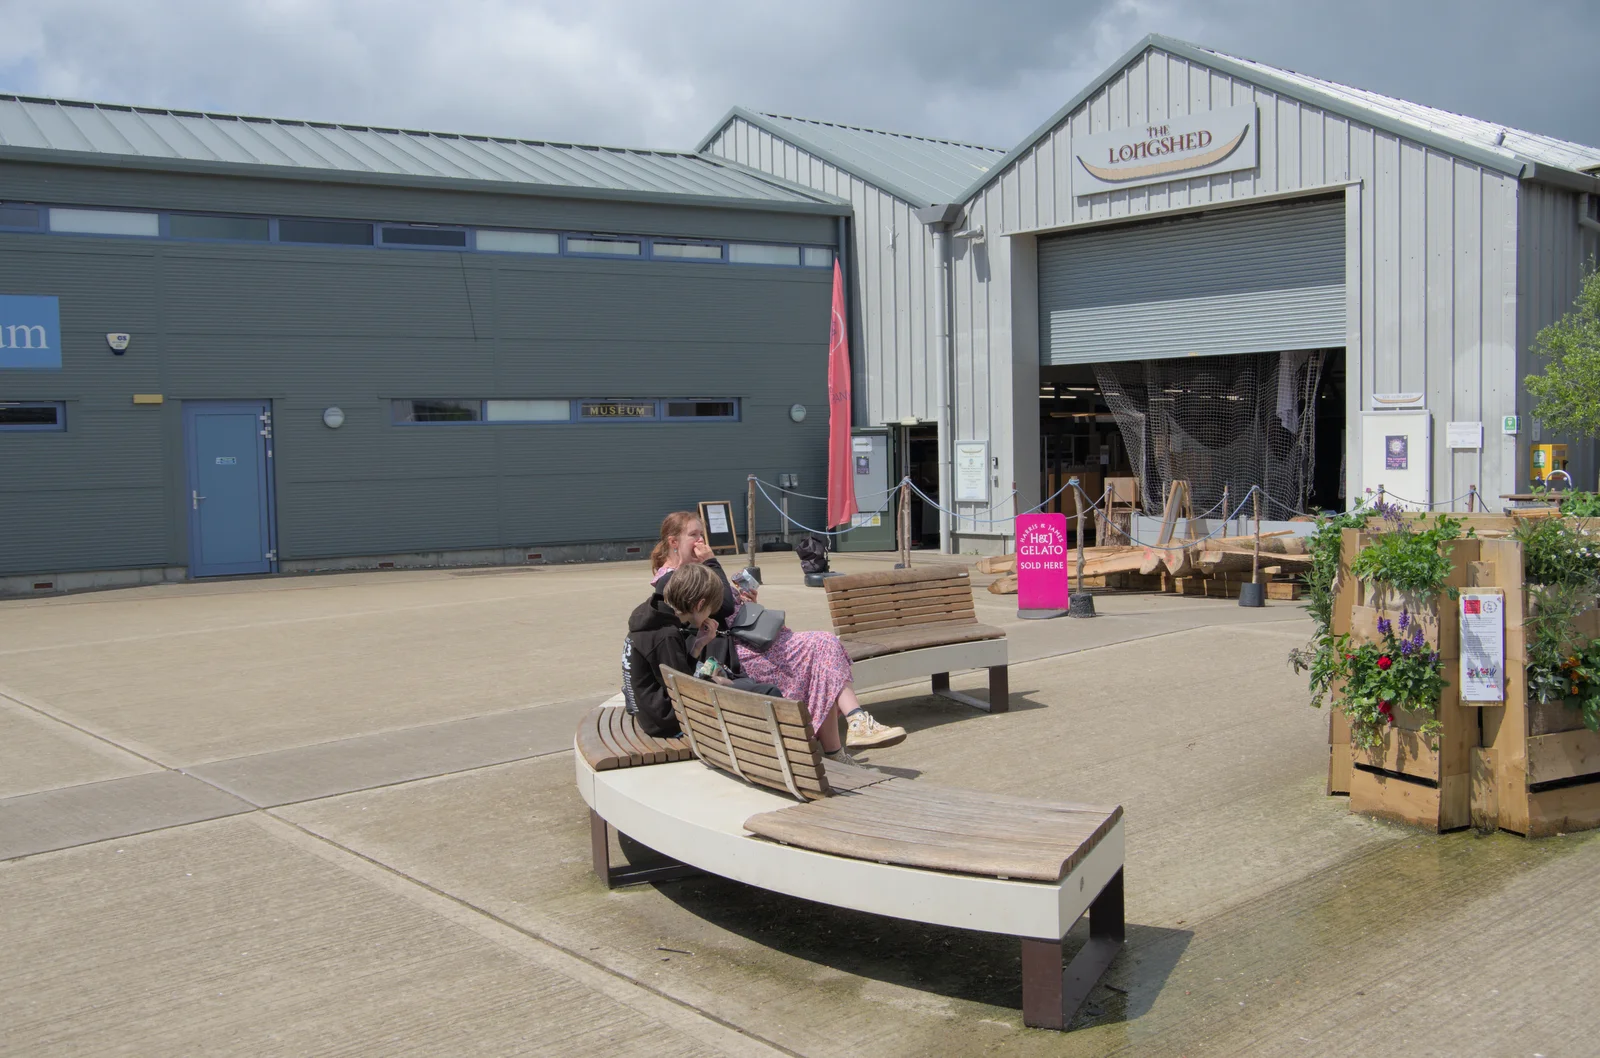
(902, 526)
(1226, 510)
(1079, 602)
(1254, 593)
(750, 529)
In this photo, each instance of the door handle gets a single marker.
(197, 498)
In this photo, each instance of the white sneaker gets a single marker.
(841, 756)
(865, 731)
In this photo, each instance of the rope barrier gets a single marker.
(760, 487)
(1136, 542)
(1418, 503)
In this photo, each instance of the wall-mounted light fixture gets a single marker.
(333, 418)
(797, 412)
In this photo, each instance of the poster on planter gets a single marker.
(1483, 647)
(1042, 562)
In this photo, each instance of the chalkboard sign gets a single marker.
(717, 518)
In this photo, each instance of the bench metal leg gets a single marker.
(1052, 993)
(999, 691)
(662, 869)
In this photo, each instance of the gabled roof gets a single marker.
(1512, 151)
(916, 169)
(104, 134)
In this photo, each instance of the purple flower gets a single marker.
(1385, 626)
(1407, 647)
(1416, 640)
(1433, 659)
(1405, 620)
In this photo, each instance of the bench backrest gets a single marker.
(901, 598)
(763, 740)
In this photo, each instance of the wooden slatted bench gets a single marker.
(609, 738)
(906, 624)
(854, 837)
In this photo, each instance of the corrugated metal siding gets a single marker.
(1237, 282)
(147, 133)
(1552, 252)
(896, 277)
(1434, 239)
(309, 328)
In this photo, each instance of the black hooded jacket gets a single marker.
(658, 638)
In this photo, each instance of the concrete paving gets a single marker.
(335, 814)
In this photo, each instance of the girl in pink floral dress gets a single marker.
(809, 667)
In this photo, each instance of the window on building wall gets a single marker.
(609, 247)
(238, 229)
(438, 411)
(761, 253)
(819, 256)
(701, 409)
(616, 410)
(447, 238)
(519, 241)
(688, 251)
(19, 217)
(104, 222)
(33, 415)
(527, 410)
(325, 232)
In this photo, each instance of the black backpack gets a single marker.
(813, 552)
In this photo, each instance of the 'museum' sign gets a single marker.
(1217, 141)
(30, 332)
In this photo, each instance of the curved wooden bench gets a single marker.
(906, 624)
(858, 838)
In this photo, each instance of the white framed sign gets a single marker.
(972, 471)
(1483, 646)
(1176, 148)
(1396, 452)
(1397, 400)
(1464, 434)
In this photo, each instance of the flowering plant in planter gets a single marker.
(1561, 567)
(1380, 679)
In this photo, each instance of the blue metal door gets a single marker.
(228, 448)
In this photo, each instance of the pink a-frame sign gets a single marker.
(1042, 562)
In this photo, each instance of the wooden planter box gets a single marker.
(1530, 768)
(1407, 779)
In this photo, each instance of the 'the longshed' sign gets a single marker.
(1217, 141)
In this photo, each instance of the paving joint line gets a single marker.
(469, 906)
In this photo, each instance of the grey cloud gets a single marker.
(650, 74)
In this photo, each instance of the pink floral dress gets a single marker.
(809, 667)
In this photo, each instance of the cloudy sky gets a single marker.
(658, 74)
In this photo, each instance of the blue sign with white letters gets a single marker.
(30, 332)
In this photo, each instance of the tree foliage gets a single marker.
(1567, 395)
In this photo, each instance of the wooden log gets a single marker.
(1270, 545)
(1212, 562)
(997, 563)
(1006, 585)
(1128, 561)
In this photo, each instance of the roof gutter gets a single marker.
(819, 203)
(1566, 179)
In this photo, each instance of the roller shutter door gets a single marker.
(1239, 281)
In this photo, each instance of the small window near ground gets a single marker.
(687, 251)
(592, 410)
(423, 411)
(702, 409)
(519, 241)
(104, 222)
(325, 232)
(527, 410)
(33, 415)
(611, 247)
(239, 229)
(818, 257)
(18, 217)
(455, 240)
(760, 253)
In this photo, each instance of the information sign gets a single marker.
(716, 516)
(1483, 647)
(1042, 562)
(972, 471)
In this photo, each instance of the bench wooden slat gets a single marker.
(891, 822)
(880, 599)
(609, 737)
(892, 578)
(875, 624)
(907, 610)
(741, 733)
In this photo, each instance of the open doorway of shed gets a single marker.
(919, 460)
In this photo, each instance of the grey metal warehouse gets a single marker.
(1208, 268)
(283, 346)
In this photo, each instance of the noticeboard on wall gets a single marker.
(972, 471)
(1396, 453)
(716, 516)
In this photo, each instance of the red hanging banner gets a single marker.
(841, 472)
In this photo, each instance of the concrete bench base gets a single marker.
(938, 663)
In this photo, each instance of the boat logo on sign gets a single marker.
(1216, 141)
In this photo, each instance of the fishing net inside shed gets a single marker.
(1217, 421)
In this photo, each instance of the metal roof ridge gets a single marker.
(1275, 79)
(387, 130)
(883, 132)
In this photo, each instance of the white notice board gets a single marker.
(972, 471)
(1396, 452)
(1483, 646)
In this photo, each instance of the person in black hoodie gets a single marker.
(674, 627)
